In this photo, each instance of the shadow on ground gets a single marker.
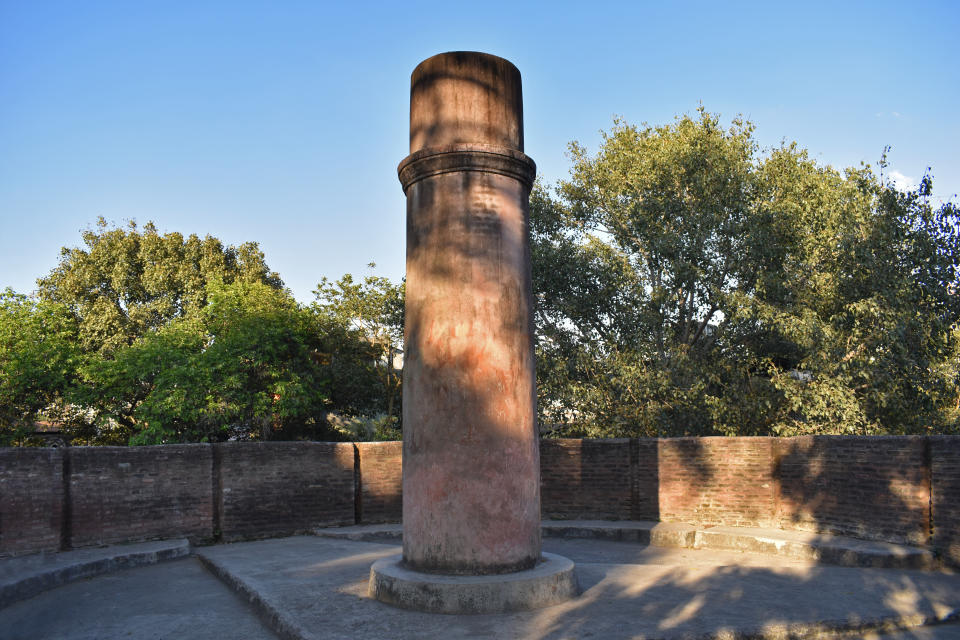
(317, 588)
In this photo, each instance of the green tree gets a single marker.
(126, 282)
(686, 284)
(250, 364)
(39, 357)
(147, 338)
(374, 308)
(887, 318)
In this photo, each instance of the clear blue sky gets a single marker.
(283, 122)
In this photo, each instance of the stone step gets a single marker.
(820, 547)
(823, 548)
(658, 534)
(364, 533)
(25, 576)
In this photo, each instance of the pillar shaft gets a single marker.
(471, 468)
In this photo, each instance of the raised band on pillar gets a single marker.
(471, 466)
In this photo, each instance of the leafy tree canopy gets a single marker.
(38, 360)
(145, 338)
(126, 282)
(373, 308)
(688, 284)
(250, 364)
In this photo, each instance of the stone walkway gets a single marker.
(26, 576)
(315, 587)
(176, 600)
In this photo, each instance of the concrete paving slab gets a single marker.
(312, 587)
(175, 600)
(25, 576)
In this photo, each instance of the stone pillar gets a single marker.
(471, 464)
(471, 467)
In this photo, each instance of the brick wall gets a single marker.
(716, 481)
(31, 500)
(945, 481)
(280, 488)
(381, 482)
(120, 494)
(645, 458)
(579, 479)
(892, 488)
(586, 479)
(875, 487)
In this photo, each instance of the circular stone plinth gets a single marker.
(550, 582)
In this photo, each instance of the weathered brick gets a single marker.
(870, 487)
(280, 488)
(582, 479)
(123, 494)
(945, 481)
(31, 500)
(876, 487)
(716, 481)
(381, 481)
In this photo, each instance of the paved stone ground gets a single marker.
(26, 576)
(170, 601)
(316, 588)
(313, 587)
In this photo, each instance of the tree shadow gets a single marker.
(441, 88)
(635, 591)
(876, 488)
(647, 601)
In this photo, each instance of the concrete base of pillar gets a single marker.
(550, 582)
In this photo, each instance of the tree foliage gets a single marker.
(250, 364)
(687, 284)
(127, 282)
(374, 308)
(148, 338)
(38, 359)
